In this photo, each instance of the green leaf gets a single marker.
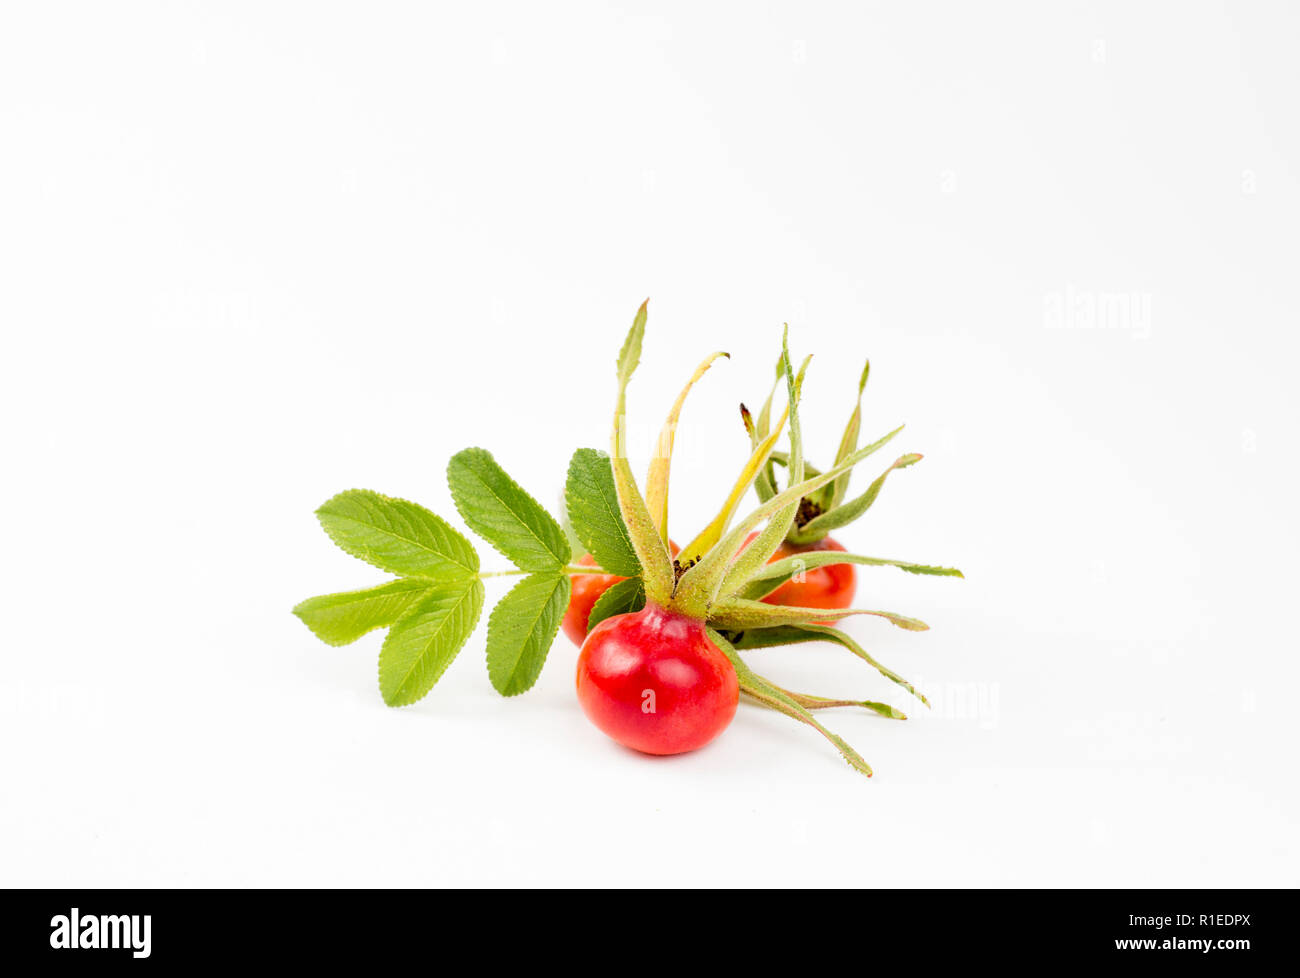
(776, 698)
(499, 511)
(619, 599)
(339, 619)
(425, 640)
(593, 510)
(651, 551)
(397, 536)
(773, 575)
(844, 515)
(521, 629)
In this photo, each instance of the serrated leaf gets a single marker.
(819, 526)
(499, 511)
(521, 629)
(592, 501)
(342, 618)
(622, 598)
(422, 644)
(397, 536)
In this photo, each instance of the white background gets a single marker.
(254, 254)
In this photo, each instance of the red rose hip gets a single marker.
(653, 681)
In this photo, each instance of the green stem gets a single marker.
(572, 570)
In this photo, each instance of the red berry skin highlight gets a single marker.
(653, 681)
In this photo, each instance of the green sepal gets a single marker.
(657, 478)
(833, 494)
(772, 696)
(763, 638)
(708, 573)
(717, 527)
(817, 528)
(770, 538)
(810, 471)
(651, 551)
(738, 614)
(773, 575)
(765, 482)
(810, 702)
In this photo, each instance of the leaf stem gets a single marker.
(571, 570)
(574, 570)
